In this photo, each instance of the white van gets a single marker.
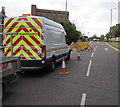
(38, 41)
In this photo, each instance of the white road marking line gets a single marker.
(106, 49)
(95, 48)
(88, 71)
(92, 54)
(83, 100)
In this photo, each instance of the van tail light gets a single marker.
(44, 52)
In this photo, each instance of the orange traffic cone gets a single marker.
(64, 70)
(91, 47)
(78, 56)
(88, 49)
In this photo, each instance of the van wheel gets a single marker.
(52, 64)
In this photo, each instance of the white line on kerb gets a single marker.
(83, 100)
(88, 71)
(92, 54)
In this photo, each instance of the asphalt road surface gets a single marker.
(92, 80)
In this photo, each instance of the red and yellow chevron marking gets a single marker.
(28, 40)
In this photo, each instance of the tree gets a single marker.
(115, 32)
(102, 37)
(94, 36)
(72, 34)
(90, 38)
(108, 35)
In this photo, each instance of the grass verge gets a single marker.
(115, 44)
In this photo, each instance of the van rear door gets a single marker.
(28, 41)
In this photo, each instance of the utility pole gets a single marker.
(111, 22)
(66, 6)
(111, 17)
(66, 12)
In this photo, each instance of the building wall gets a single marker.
(58, 16)
(119, 12)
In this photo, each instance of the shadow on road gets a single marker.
(38, 73)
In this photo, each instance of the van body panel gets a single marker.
(34, 33)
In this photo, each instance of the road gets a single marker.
(92, 80)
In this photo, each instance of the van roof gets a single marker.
(45, 20)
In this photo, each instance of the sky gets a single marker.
(90, 16)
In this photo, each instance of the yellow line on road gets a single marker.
(113, 47)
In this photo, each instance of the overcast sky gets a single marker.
(90, 16)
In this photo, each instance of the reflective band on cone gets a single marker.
(64, 70)
(88, 49)
(91, 48)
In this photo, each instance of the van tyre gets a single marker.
(52, 65)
